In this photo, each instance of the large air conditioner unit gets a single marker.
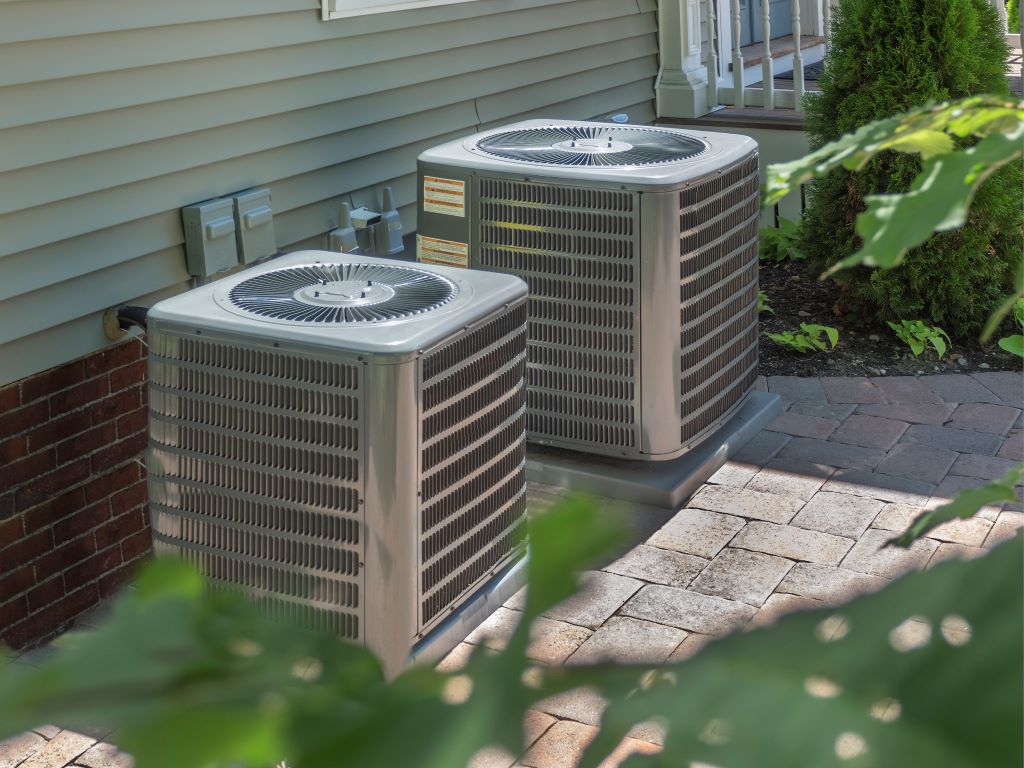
(640, 248)
(343, 437)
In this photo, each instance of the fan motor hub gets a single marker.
(595, 145)
(344, 293)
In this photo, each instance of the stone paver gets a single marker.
(561, 746)
(799, 425)
(831, 453)
(16, 750)
(823, 410)
(952, 485)
(840, 514)
(905, 389)
(687, 610)
(734, 473)
(662, 566)
(948, 438)
(1005, 528)
(913, 413)
(986, 467)
(793, 543)
(697, 532)
(762, 448)
(950, 551)
(851, 389)
(552, 642)
(875, 485)
(59, 751)
(737, 574)
(584, 705)
(897, 517)
(797, 388)
(104, 755)
(599, 597)
(1013, 446)
(790, 477)
(828, 583)
(971, 532)
(746, 503)
(957, 388)
(870, 431)
(870, 556)
(917, 462)
(984, 417)
(781, 603)
(629, 641)
(1006, 385)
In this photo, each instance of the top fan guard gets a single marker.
(592, 145)
(342, 293)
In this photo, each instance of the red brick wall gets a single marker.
(73, 520)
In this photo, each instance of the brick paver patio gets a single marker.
(796, 520)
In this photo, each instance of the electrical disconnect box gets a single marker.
(209, 237)
(254, 222)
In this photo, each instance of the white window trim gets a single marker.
(347, 9)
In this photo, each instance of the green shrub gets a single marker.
(887, 56)
(1013, 17)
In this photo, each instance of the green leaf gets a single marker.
(915, 131)
(1013, 344)
(966, 504)
(939, 344)
(938, 200)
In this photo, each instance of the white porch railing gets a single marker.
(702, 61)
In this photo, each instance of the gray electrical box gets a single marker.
(209, 237)
(254, 220)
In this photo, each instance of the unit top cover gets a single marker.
(633, 155)
(357, 303)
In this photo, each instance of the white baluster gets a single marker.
(737, 57)
(798, 57)
(826, 20)
(712, 56)
(767, 63)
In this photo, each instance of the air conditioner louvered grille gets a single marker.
(576, 248)
(472, 461)
(255, 472)
(718, 296)
(286, 596)
(245, 512)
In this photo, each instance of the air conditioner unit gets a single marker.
(639, 245)
(343, 437)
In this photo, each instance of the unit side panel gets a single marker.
(472, 511)
(444, 214)
(256, 472)
(577, 247)
(718, 296)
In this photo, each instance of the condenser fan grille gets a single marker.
(605, 146)
(342, 293)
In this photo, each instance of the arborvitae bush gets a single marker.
(887, 56)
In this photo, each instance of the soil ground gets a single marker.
(866, 347)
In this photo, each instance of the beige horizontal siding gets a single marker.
(114, 114)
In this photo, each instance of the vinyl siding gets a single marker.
(114, 114)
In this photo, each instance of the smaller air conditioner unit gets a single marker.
(343, 437)
(639, 245)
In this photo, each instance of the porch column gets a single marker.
(681, 89)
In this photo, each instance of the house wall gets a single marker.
(114, 114)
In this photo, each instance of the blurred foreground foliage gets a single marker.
(925, 672)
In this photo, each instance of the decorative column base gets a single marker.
(682, 94)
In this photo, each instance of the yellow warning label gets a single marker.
(432, 250)
(447, 196)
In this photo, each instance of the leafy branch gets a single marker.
(940, 196)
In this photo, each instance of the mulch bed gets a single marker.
(865, 348)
